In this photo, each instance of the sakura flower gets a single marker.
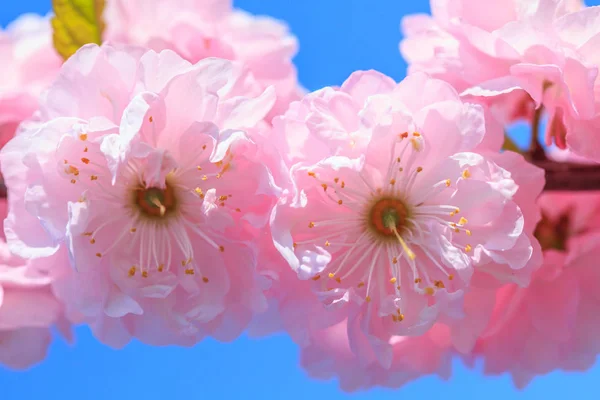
(552, 324)
(394, 208)
(28, 306)
(29, 63)
(199, 29)
(330, 355)
(518, 56)
(143, 168)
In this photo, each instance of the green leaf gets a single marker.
(509, 145)
(76, 22)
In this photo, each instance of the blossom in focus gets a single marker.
(199, 29)
(143, 168)
(29, 63)
(553, 323)
(517, 56)
(394, 207)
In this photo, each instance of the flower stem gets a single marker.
(536, 151)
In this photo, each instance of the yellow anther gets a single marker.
(392, 181)
(439, 284)
(311, 224)
(468, 232)
(466, 174)
(468, 248)
(340, 202)
(204, 279)
(85, 160)
(393, 280)
(73, 181)
(419, 169)
(418, 280)
(144, 274)
(462, 220)
(324, 186)
(360, 284)
(429, 291)
(93, 178)
(368, 299)
(161, 268)
(450, 277)
(83, 136)
(132, 271)
(448, 182)
(316, 277)
(132, 230)
(312, 174)
(98, 255)
(327, 244)
(221, 249)
(92, 241)
(331, 275)
(190, 271)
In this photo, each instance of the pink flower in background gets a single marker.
(199, 29)
(143, 168)
(553, 323)
(29, 63)
(28, 307)
(517, 56)
(393, 208)
(330, 355)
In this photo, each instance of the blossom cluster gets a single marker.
(177, 182)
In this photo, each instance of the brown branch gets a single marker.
(570, 176)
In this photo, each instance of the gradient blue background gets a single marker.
(336, 37)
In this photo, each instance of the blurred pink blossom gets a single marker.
(517, 55)
(197, 29)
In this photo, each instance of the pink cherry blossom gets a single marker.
(553, 323)
(517, 55)
(198, 29)
(143, 168)
(393, 208)
(28, 307)
(29, 63)
(330, 355)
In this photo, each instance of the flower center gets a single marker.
(388, 216)
(156, 202)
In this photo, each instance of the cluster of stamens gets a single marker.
(385, 225)
(152, 208)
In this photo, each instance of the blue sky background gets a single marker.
(336, 38)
